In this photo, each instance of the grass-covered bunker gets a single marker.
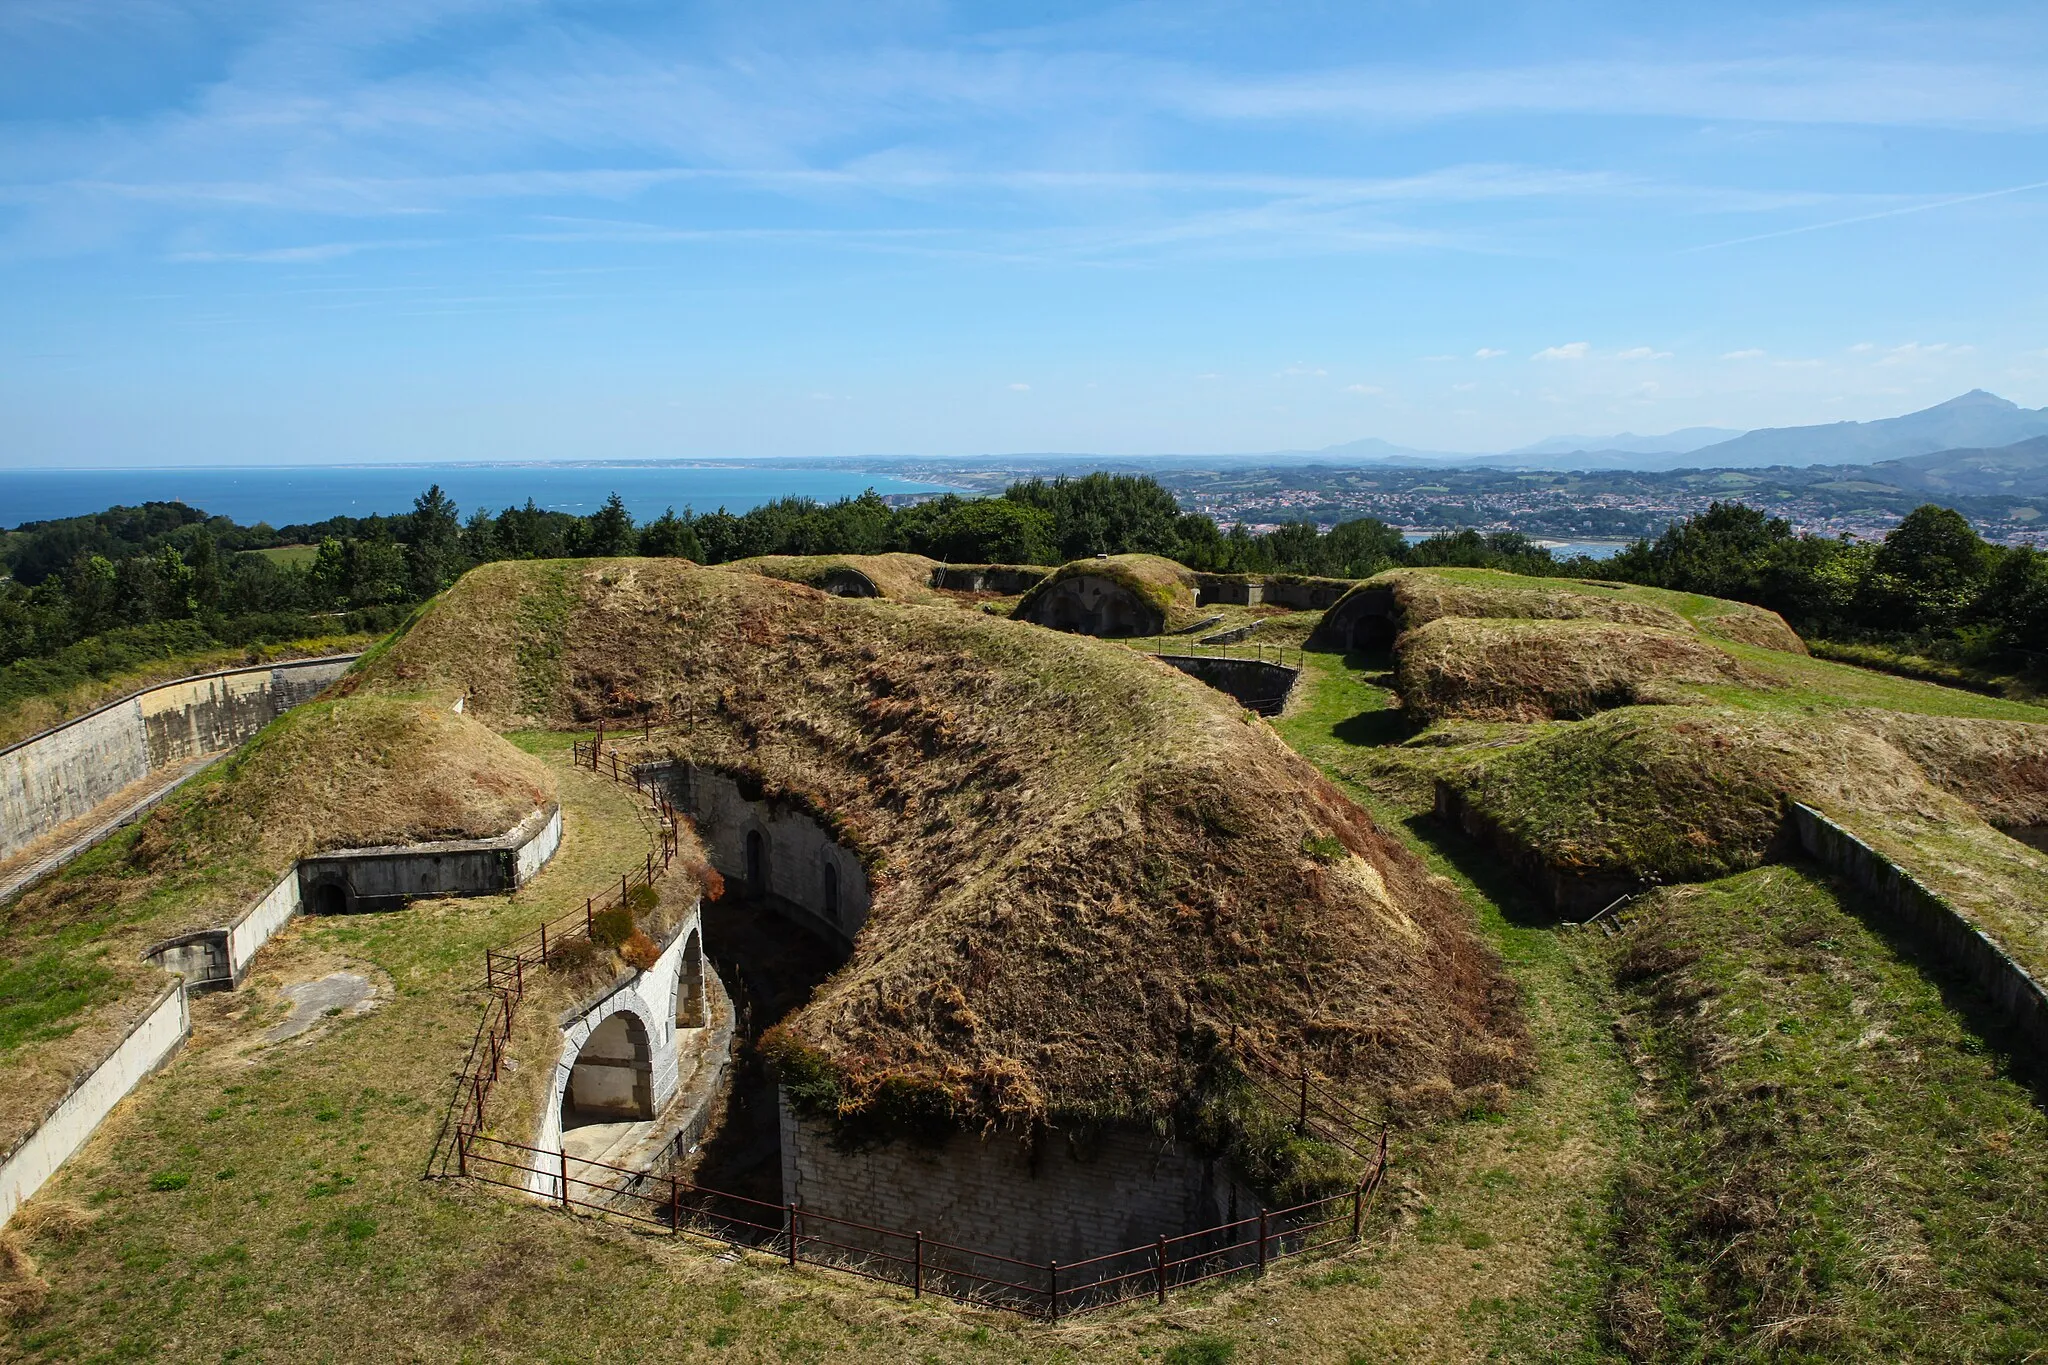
(1081, 871)
(1113, 595)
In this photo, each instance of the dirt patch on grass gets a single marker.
(1083, 862)
(1541, 669)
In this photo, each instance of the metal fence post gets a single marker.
(1301, 1118)
(462, 1150)
(1159, 1267)
(917, 1265)
(789, 1213)
(1052, 1280)
(1262, 1241)
(675, 1205)
(543, 943)
(564, 1154)
(1357, 1209)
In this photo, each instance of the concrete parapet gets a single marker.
(66, 772)
(2018, 999)
(1255, 685)
(155, 1037)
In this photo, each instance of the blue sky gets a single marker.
(465, 229)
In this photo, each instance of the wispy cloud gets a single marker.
(1570, 350)
(1488, 353)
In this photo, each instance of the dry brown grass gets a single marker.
(1999, 767)
(1542, 669)
(1749, 625)
(1087, 847)
(1423, 597)
(898, 576)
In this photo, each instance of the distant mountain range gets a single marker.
(1976, 421)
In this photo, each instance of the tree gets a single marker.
(670, 536)
(1928, 572)
(433, 543)
(993, 531)
(609, 530)
(207, 584)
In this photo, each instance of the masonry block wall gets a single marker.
(64, 773)
(1122, 1190)
(802, 869)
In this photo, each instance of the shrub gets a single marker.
(612, 927)
(640, 951)
(170, 1180)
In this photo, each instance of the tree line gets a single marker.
(90, 595)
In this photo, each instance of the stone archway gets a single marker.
(757, 863)
(612, 1079)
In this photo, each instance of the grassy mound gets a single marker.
(1422, 596)
(326, 775)
(1084, 863)
(899, 577)
(1665, 794)
(1167, 587)
(1540, 669)
(1999, 767)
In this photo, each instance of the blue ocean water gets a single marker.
(1559, 549)
(282, 496)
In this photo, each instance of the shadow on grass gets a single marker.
(1488, 872)
(1960, 995)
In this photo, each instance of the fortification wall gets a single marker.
(1126, 1188)
(1910, 904)
(67, 772)
(1257, 686)
(367, 878)
(1292, 591)
(151, 1043)
(1001, 579)
(799, 862)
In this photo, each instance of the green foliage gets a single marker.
(43, 996)
(1324, 848)
(170, 1180)
(1208, 1348)
(612, 927)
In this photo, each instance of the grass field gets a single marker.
(290, 556)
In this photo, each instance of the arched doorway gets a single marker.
(831, 890)
(612, 1080)
(690, 984)
(327, 898)
(757, 864)
(1372, 632)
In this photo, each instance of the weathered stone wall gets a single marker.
(370, 877)
(155, 1037)
(1002, 579)
(1255, 685)
(66, 772)
(799, 857)
(651, 996)
(1095, 604)
(1902, 898)
(1293, 591)
(1123, 1190)
(1573, 894)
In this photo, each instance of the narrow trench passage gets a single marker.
(770, 965)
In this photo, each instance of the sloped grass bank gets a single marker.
(1504, 1217)
(1834, 1164)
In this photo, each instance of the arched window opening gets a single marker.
(690, 984)
(831, 890)
(612, 1080)
(328, 898)
(757, 863)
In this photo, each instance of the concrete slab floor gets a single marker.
(312, 1001)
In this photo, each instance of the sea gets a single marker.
(309, 493)
(1559, 549)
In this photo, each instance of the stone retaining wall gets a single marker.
(160, 1032)
(1255, 685)
(67, 772)
(1897, 894)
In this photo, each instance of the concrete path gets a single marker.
(313, 1001)
(68, 842)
